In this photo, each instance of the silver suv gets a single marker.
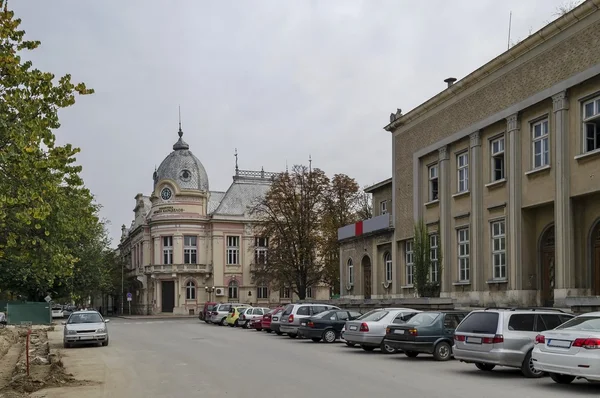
(293, 313)
(504, 337)
(219, 313)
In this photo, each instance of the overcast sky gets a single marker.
(278, 80)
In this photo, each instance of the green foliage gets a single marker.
(423, 263)
(48, 219)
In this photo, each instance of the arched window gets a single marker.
(233, 289)
(350, 272)
(190, 291)
(387, 259)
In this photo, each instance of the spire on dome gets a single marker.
(180, 144)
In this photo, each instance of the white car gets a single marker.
(57, 312)
(85, 327)
(570, 351)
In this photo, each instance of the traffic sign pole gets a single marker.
(129, 298)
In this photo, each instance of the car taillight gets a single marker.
(364, 327)
(311, 324)
(459, 337)
(540, 339)
(214, 313)
(291, 318)
(413, 332)
(243, 317)
(497, 339)
(588, 344)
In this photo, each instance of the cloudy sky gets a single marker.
(276, 79)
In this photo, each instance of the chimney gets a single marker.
(450, 81)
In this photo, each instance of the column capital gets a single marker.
(512, 122)
(475, 139)
(443, 153)
(560, 101)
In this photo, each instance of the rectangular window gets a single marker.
(541, 144)
(190, 250)
(285, 293)
(383, 207)
(260, 250)
(499, 249)
(591, 125)
(433, 183)
(463, 255)
(309, 292)
(410, 262)
(462, 169)
(167, 250)
(262, 292)
(497, 152)
(434, 273)
(233, 250)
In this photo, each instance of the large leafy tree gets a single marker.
(45, 210)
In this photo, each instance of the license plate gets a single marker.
(275, 318)
(473, 340)
(399, 331)
(559, 343)
(86, 337)
(353, 327)
(303, 323)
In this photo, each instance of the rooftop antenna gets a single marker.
(309, 163)
(286, 166)
(179, 117)
(509, 26)
(236, 161)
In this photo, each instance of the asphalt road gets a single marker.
(187, 358)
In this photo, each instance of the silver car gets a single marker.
(504, 337)
(85, 327)
(293, 313)
(250, 314)
(368, 331)
(219, 314)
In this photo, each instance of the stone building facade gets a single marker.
(504, 168)
(188, 245)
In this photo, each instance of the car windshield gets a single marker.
(85, 318)
(324, 314)
(591, 323)
(373, 316)
(423, 319)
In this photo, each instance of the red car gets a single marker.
(256, 323)
(266, 319)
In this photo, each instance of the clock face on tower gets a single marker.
(166, 194)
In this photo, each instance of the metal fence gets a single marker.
(18, 312)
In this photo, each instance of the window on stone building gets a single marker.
(591, 125)
(190, 250)
(190, 291)
(309, 292)
(497, 151)
(285, 293)
(499, 249)
(387, 260)
(541, 144)
(433, 182)
(434, 249)
(260, 250)
(464, 269)
(262, 292)
(167, 250)
(233, 250)
(350, 272)
(410, 261)
(383, 207)
(462, 165)
(232, 290)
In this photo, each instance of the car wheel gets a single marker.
(223, 322)
(329, 336)
(442, 351)
(268, 331)
(528, 369)
(411, 354)
(367, 348)
(279, 333)
(236, 324)
(316, 339)
(350, 344)
(105, 343)
(561, 379)
(486, 367)
(206, 321)
(292, 335)
(258, 329)
(387, 349)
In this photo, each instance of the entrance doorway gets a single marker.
(548, 268)
(595, 245)
(366, 266)
(168, 296)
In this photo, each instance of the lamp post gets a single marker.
(209, 290)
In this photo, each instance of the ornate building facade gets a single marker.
(188, 245)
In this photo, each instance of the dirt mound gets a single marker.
(8, 337)
(43, 376)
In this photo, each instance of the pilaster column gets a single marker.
(476, 262)
(178, 248)
(395, 268)
(513, 226)
(444, 195)
(157, 251)
(562, 204)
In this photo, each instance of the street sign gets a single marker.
(48, 298)
(129, 296)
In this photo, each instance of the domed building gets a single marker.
(188, 245)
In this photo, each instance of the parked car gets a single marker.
(57, 311)
(267, 319)
(368, 331)
(276, 320)
(293, 313)
(255, 323)
(504, 337)
(570, 351)
(68, 310)
(85, 327)
(205, 313)
(219, 314)
(326, 326)
(233, 316)
(255, 312)
(430, 332)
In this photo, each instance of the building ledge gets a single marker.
(407, 287)
(496, 184)
(538, 170)
(432, 203)
(460, 194)
(497, 281)
(587, 155)
(174, 268)
(463, 283)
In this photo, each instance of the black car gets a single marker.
(326, 326)
(430, 332)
